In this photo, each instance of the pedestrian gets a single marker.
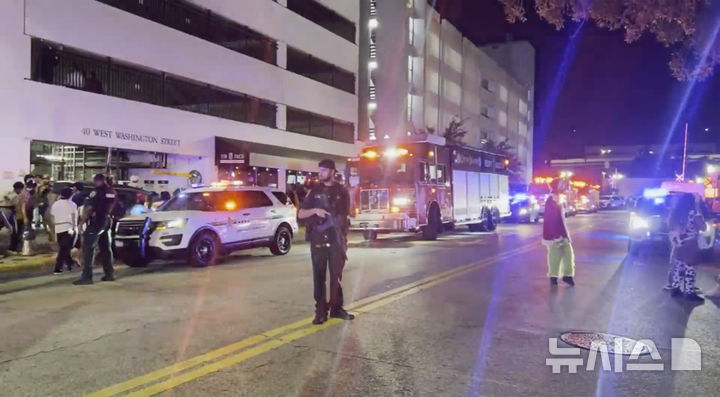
(46, 199)
(556, 237)
(685, 223)
(29, 204)
(65, 218)
(139, 207)
(324, 211)
(14, 215)
(164, 198)
(96, 218)
(78, 197)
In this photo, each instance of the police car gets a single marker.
(201, 224)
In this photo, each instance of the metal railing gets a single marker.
(199, 22)
(53, 64)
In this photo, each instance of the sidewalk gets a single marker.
(13, 265)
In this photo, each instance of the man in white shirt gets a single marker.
(65, 216)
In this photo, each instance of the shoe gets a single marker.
(342, 314)
(108, 278)
(57, 271)
(83, 281)
(568, 280)
(553, 281)
(694, 297)
(675, 292)
(319, 319)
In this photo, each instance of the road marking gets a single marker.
(277, 337)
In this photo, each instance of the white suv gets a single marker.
(202, 224)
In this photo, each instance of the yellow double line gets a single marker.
(215, 360)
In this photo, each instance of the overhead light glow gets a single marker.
(372, 105)
(372, 65)
(395, 152)
(373, 23)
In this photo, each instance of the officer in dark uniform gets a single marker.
(96, 218)
(326, 212)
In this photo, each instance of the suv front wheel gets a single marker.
(204, 250)
(282, 241)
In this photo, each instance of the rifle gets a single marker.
(331, 224)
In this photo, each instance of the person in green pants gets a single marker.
(561, 258)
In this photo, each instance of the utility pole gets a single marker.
(684, 153)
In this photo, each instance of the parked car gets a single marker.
(524, 208)
(201, 224)
(612, 202)
(648, 226)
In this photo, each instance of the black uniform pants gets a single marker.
(324, 258)
(16, 236)
(65, 241)
(100, 239)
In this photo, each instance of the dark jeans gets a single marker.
(65, 242)
(322, 259)
(100, 239)
(16, 240)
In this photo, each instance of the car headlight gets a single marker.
(172, 224)
(401, 201)
(637, 222)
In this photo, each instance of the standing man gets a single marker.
(96, 217)
(78, 197)
(557, 238)
(325, 212)
(65, 216)
(14, 213)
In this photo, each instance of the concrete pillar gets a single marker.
(282, 179)
(281, 117)
(282, 54)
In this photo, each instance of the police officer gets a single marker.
(96, 217)
(325, 211)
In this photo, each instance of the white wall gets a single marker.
(132, 39)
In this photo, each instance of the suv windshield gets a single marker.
(197, 201)
(653, 206)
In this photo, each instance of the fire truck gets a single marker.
(423, 185)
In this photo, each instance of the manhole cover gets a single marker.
(601, 341)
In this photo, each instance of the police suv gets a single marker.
(201, 224)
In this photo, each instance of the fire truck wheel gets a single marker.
(369, 235)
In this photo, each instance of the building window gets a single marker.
(318, 70)
(307, 123)
(486, 112)
(202, 23)
(487, 85)
(324, 17)
(523, 107)
(411, 31)
(503, 93)
(502, 118)
(53, 64)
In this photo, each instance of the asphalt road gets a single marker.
(470, 314)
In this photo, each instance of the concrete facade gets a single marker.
(425, 73)
(35, 111)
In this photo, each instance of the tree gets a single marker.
(455, 132)
(515, 165)
(688, 27)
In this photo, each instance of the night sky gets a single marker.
(612, 93)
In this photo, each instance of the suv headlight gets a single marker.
(172, 224)
(637, 222)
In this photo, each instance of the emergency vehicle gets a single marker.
(422, 184)
(201, 224)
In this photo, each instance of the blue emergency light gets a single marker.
(655, 193)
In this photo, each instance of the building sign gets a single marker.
(228, 151)
(130, 137)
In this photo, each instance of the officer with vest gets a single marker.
(325, 210)
(97, 221)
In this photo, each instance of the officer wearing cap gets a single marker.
(325, 211)
(96, 217)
